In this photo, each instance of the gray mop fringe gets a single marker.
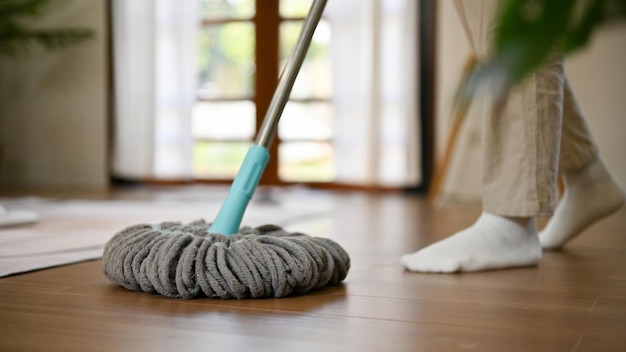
(184, 261)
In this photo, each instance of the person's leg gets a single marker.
(521, 142)
(520, 161)
(591, 193)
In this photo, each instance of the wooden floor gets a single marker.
(574, 301)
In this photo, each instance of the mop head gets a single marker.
(183, 260)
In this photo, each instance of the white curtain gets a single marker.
(374, 58)
(154, 65)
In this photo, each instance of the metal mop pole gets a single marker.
(229, 218)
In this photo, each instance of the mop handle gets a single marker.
(288, 76)
(230, 215)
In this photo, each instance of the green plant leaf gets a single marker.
(530, 31)
(23, 8)
(17, 40)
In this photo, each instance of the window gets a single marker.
(242, 47)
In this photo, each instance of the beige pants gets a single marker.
(537, 133)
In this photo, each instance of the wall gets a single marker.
(53, 108)
(597, 75)
(462, 181)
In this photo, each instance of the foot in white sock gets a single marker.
(493, 242)
(590, 195)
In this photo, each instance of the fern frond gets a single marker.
(16, 39)
(23, 8)
(59, 38)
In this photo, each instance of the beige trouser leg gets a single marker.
(537, 131)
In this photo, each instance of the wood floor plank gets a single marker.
(110, 318)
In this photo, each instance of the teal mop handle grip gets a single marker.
(229, 218)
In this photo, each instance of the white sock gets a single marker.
(493, 242)
(590, 195)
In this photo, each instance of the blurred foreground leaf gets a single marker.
(530, 31)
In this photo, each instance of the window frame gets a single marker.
(266, 21)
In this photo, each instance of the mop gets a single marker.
(220, 259)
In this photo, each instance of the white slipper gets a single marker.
(17, 217)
